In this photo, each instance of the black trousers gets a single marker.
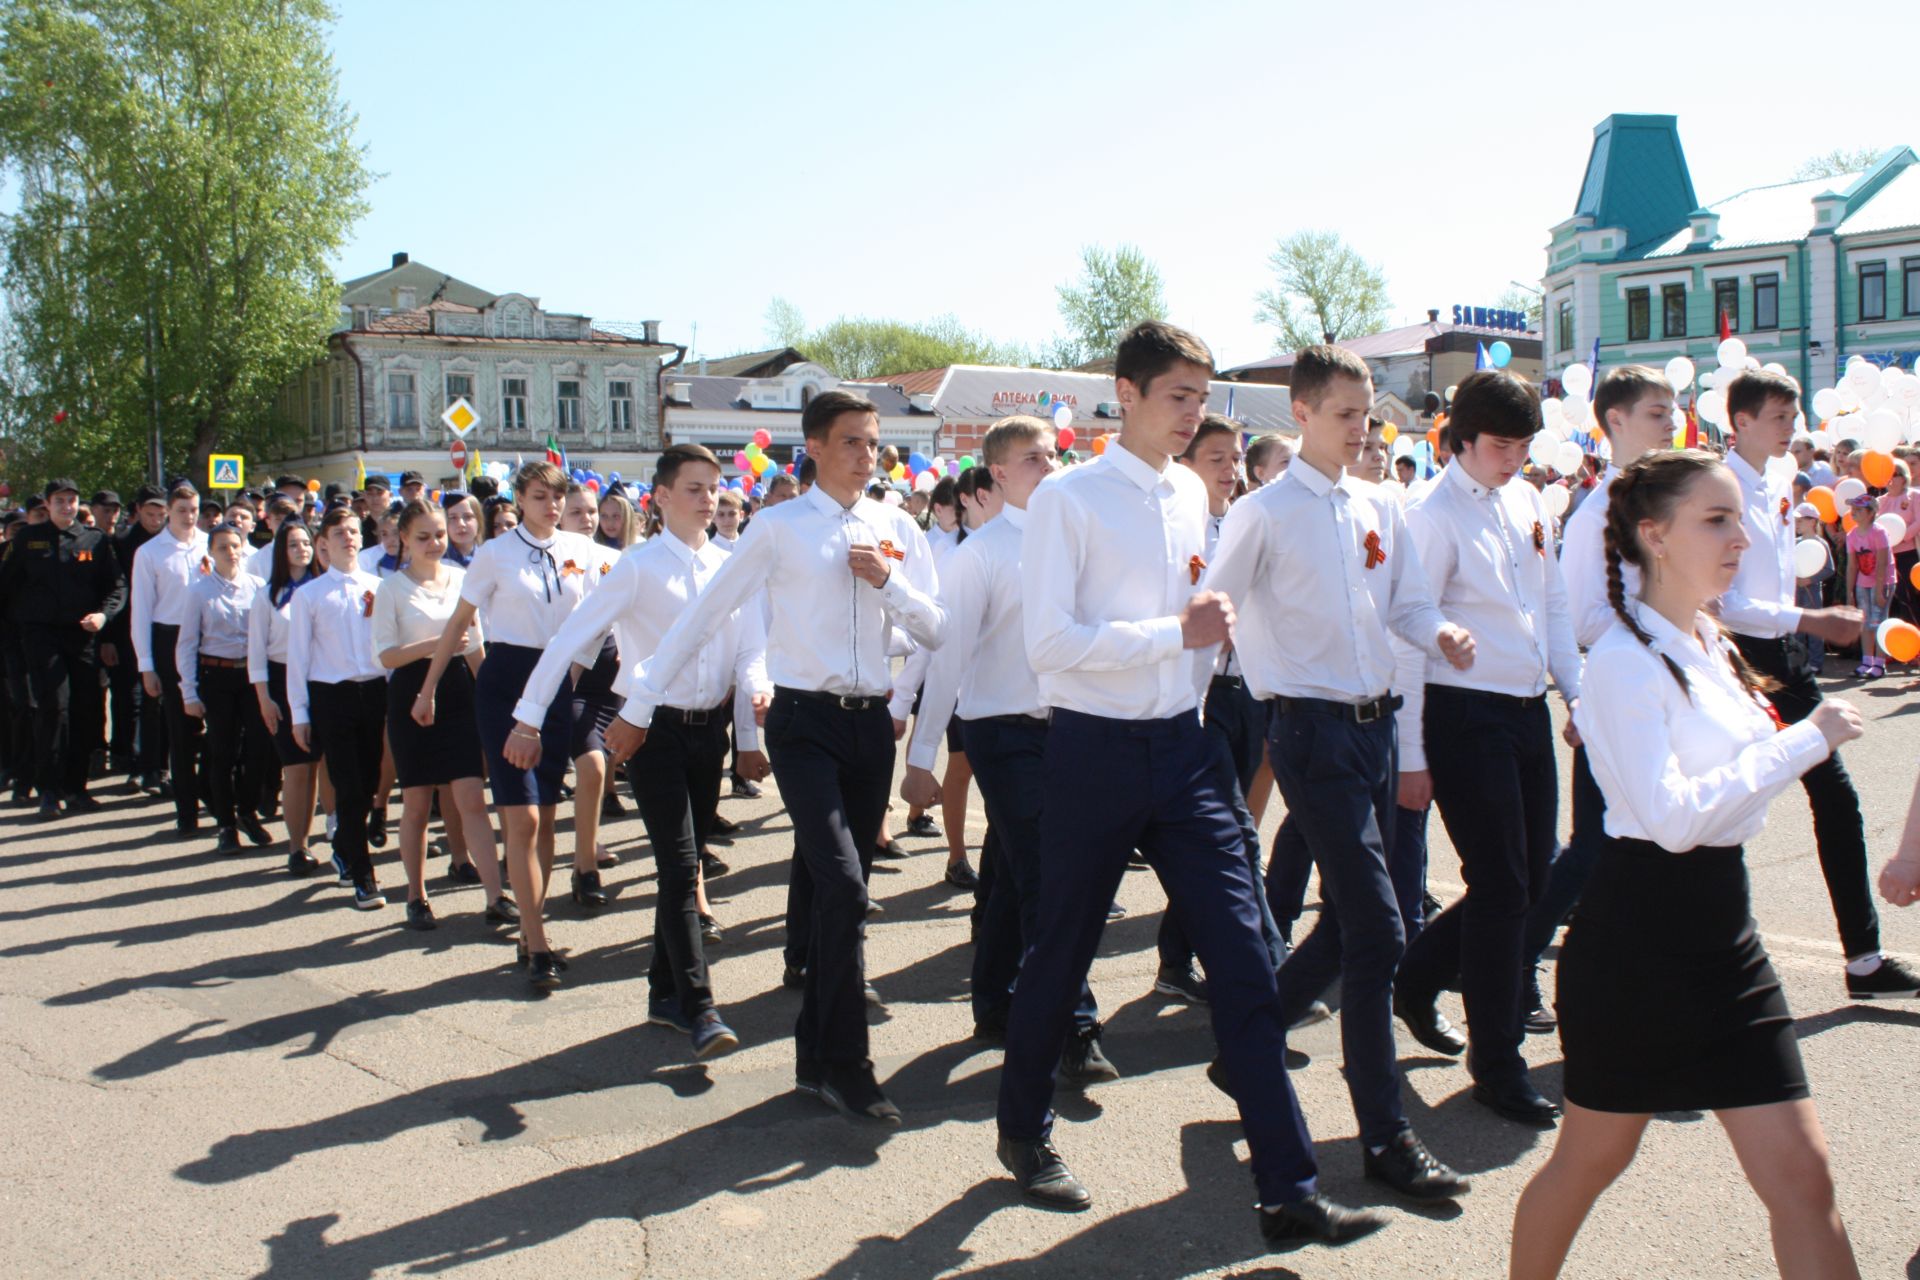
(237, 744)
(675, 778)
(182, 730)
(1837, 828)
(1495, 784)
(63, 678)
(834, 766)
(19, 719)
(348, 721)
(123, 703)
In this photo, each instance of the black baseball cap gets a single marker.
(60, 484)
(411, 477)
(104, 498)
(35, 500)
(379, 482)
(149, 493)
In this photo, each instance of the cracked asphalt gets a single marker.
(209, 1069)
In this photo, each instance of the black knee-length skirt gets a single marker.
(503, 677)
(444, 751)
(1666, 997)
(284, 747)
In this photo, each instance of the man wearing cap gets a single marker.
(121, 710)
(413, 485)
(60, 582)
(146, 741)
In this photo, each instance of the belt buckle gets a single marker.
(849, 702)
(1368, 712)
(695, 718)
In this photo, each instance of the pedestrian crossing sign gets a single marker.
(226, 471)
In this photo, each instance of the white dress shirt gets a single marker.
(163, 568)
(913, 672)
(1314, 603)
(653, 584)
(1227, 661)
(406, 612)
(267, 628)
(259, 562)
(1684, 768)
(525, 588)
(982, 665)
(1760, 601)
(215, 625)
(374, 560)
(1108, 563)
(829, 630)
(330, 635)
(1490, 568)
(1583, 564)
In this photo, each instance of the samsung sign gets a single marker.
(1491, 318)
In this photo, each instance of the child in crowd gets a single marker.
(1870, 578)
(1810, 593)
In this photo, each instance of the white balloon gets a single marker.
(1552, 411)
(1569, 458)
(1847, 490)
(892, 497)
(1826, 402)
(1774, 366)
(1577, 378)
(1893, 526)
(1680, 373)
(1874, 398)
(1862, 377)
(1891, 377)
(1882, 431)
(924, 482)
(1450, 391)
(1880, 635)
(1809, 557)
(1752, 362)
(1579, 415)
(1713, 406)
(1823, 439)
(1403, 446)
(1062, 416)
(1544, 448)
(1849, 397)
(1679, 419)
(1731, 353)
(1556, 499)
(1708, 378)
(1909, 393)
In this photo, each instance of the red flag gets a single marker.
(1693, 425)
(1726, 329)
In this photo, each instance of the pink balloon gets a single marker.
(741, 461)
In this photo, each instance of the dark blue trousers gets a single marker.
(1237, 723)
(1573, 865)
(1292, 865)
(1338, 780)
(1159, 793)
(1009, 758)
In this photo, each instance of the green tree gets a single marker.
(1323, 291)
(185, 169)
(1836, 162)
(1116, 290)
(856, 347)
(1530, 301)
(786, 327)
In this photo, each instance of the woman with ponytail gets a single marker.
(1667, 999)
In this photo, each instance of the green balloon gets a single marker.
(966, 461)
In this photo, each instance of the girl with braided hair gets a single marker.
(1667, 999)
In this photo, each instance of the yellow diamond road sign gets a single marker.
(460, 417)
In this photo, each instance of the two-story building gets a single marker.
(412, 340)
(1807, 273)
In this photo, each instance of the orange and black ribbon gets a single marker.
(1539, 538)
(890, 551)
(1786, 508)
(366, 604)
(206, 564)
(1376, 556)
(570, 569)
(83, 557)
(1196, 567)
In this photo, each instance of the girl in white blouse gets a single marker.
(211, 661)
(291, 567)
(410, 612)
(1667, 1000)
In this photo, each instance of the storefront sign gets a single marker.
(1491, 318)
(1042, 400)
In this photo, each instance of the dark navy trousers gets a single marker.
(1158, 791)
(1573, 865)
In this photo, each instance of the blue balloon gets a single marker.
(759, 491)
(1500, 353)
(614, 476)
(917, 461)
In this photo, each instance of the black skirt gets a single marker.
(595, 703)
(448, 749)
(1667, 999)
(503, 677)
(284, 747)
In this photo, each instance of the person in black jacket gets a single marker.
(147, 761)
(61, 583)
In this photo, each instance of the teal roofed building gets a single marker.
(1807, 273)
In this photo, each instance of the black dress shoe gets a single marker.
(924, 828)
(502, 911)
(1408, 1167)
(723, 826)
(420, 915)
(463, 873)
(301, 863)
(711, 867)
(587, 891)
(228, 841)
(1043, 1176)
(251, 828)
(377, 827)
(1316, 1218)
(1428, 1025)
(1539, 1018)
(961, 875)
(991, 1028)
(610, 806)
(1082, 1062)
(850, 1089)
(1519, 1102)
(606, 858)
(889, 849)
(711, 934)
(543, 972)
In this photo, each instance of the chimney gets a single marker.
(401, 259)
(651, 328)
(1433, 315)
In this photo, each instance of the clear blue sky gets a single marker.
(688, 163)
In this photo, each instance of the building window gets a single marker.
(1564, 326)
(1873, 291)
(1766, 302)
(400, 402)
(1673, 311)
(1910, 286)
(566, 404)
(620, 405)
(1639, 315)
(339, 403)
(1726, 303)
(459, 387)
(513, 404)
(313, 406)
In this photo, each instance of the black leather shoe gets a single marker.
(961, 875)
(300, 863)
(806, 1077)
(889, 849)
(502, 911)
(1043, 1176)
(1082, 1062)
(711, 867)
(587, 891)
(1519, 1102)
(1539, 1018)
(377, 827)
(723, 827)
(228, 841)
(710, 932)
(544, 970)
(251, 828)
(1316, 1218)
(420, 915)
(610, 805)
(463, 873)
(1409, 1168)
(1428, 1025)
(850, 1089)
(924, 828)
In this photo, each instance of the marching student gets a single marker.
(1232, 715)
(1323, 567)
(410, 612)
(1766, 625)
(981, 669)
(336, 693)
(1667, 998)
(594, 705)
(1479, 743)
(727, 515)
(291, 568)
(1121, 639)
(164, 568)
(463, 528)
(383, 558)
(523, 583)
(675, 775)
(840, 572)
(211, 661)
(1633, 407)
(1268, 458)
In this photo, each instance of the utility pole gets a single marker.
(154, 461)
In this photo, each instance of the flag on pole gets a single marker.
(1480, 360)
(359, 472)
(473, 462)
(1726, 328)
(1593, 362)
(555, 454)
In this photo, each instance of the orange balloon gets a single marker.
(1877, 469)
(1822, 499)
(1099, 445)
(1846, 523)
(1900, 641)
(1914, 577)
(1433, 438)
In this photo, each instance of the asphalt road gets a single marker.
(210, 1070)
